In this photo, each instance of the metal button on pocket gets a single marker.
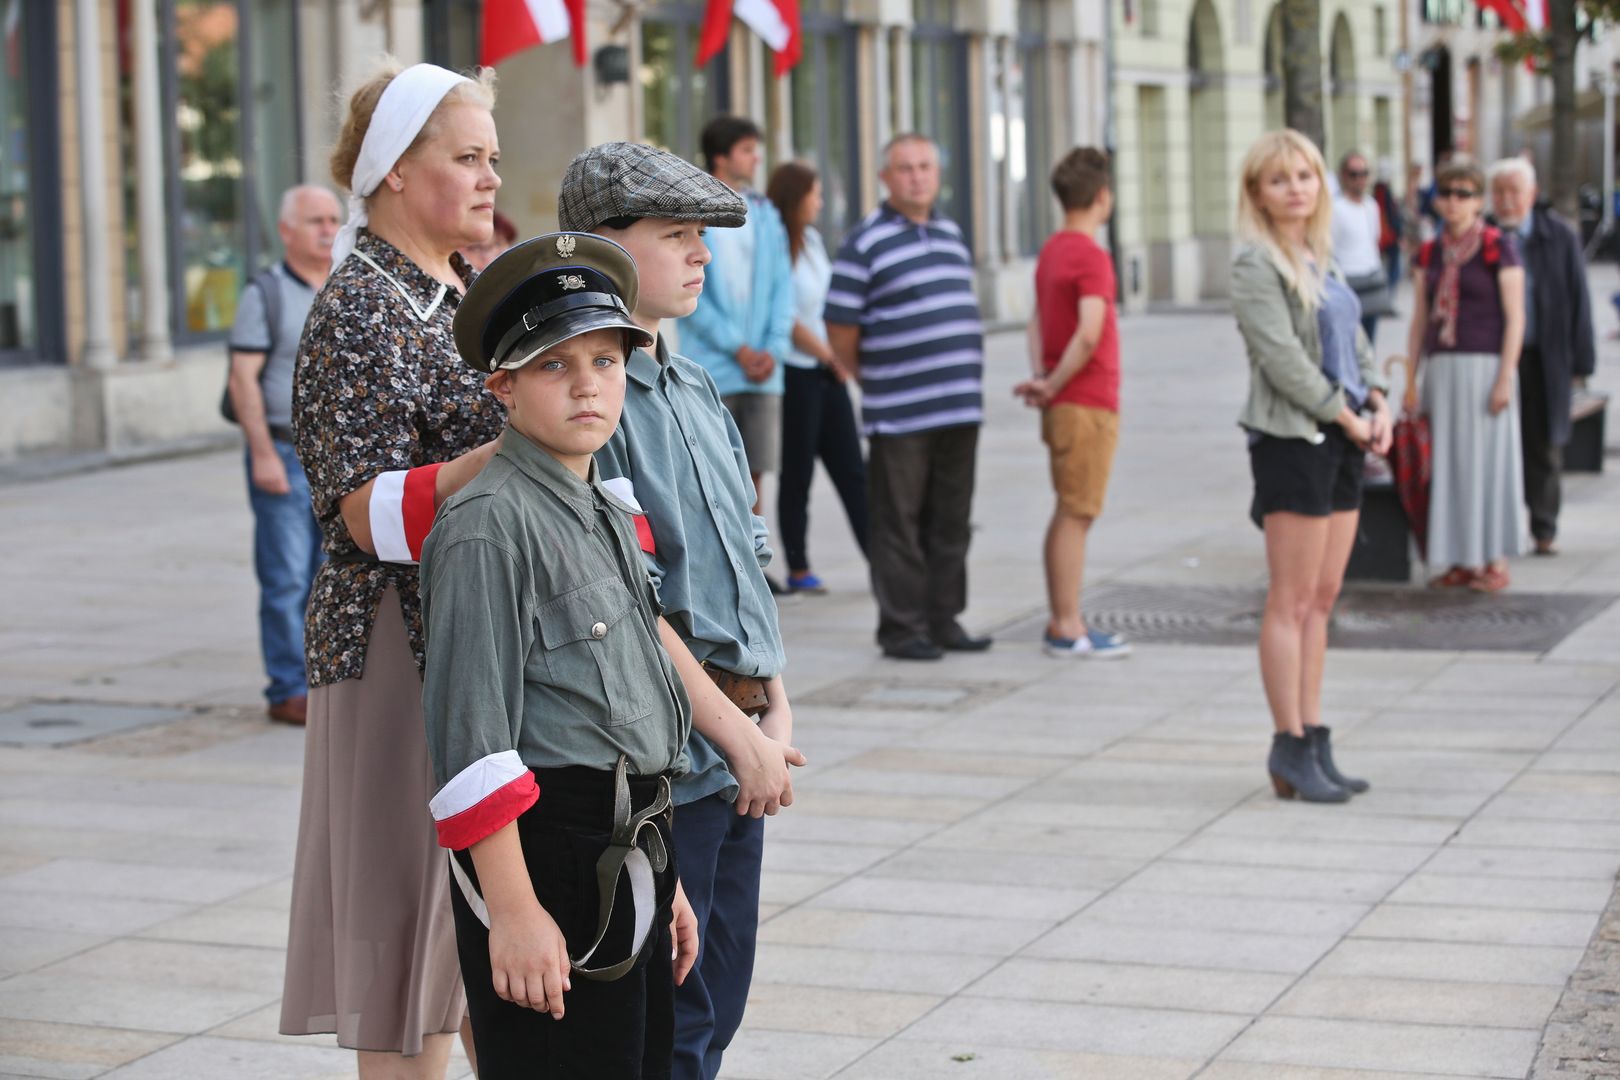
(599, 631)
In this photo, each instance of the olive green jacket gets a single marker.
(1289, 396)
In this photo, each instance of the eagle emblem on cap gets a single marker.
(571, 281)
(565, 248)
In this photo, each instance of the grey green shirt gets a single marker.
(680, 449)
(541, 627)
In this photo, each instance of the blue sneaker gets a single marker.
(1095, 645)
(806, 583)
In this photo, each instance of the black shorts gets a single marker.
(1301, 477)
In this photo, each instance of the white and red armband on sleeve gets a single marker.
(483, 799)
(622, 489)
(401, 511)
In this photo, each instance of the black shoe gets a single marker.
(914, 649)
(959, 640)
(1295, 771)
(1321, 741)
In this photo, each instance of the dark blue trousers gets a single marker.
(718, 853)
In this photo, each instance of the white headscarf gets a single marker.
(402, 109)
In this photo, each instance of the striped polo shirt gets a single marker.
(909, 288)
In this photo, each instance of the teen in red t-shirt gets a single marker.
(1074, 360)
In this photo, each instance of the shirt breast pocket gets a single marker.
(594, 651)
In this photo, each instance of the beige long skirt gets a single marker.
(371, 948)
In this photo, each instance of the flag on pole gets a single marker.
(510, 26)
(1519, 16)
(775, 21)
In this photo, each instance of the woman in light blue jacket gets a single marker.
(1315, 405)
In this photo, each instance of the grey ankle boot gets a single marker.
(1321, 741)
(1295, 771)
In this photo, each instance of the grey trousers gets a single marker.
(1543, 461)
(920, 494)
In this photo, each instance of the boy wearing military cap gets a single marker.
(555, 720)
(706, 550)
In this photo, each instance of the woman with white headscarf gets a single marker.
(388, 423)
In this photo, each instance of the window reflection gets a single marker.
(208, 123)
(17, 328)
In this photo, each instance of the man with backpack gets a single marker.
(258, 396)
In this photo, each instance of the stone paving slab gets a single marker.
(1004, 867)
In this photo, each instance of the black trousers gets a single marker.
(817, 422)
(1543, 461)
(620, 1030)
(921, 498)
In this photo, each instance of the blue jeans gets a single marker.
(286, 554)
(718, 855)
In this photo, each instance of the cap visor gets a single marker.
(571, 325)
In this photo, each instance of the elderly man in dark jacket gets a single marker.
(1558, 346)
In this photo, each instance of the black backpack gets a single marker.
(270, 289)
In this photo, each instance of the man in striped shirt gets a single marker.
(903, 315)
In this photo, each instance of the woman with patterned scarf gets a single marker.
(1467, 326)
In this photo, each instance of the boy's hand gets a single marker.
(1037, 392)
(761, 769)
(777, 722)
(528, 960)
(683, 928)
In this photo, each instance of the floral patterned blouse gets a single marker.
(378, 388)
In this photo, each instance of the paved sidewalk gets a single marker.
(1001, 866)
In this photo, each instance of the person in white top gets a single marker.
(818, 420)
(1355, 240)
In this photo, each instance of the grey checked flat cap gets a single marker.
(623, 179)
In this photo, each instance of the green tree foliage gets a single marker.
(1552, 53)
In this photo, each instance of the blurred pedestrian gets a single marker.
(1074, 360)
(388, 422)
(1311, 378)
(903, 316)
(502, 235)
(742, 327)
(818, 420)
(1467, 325)
(1357, 236)
(264, 349)
(1558, 337)
(1391, 222)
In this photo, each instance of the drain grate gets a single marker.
(1366, 618)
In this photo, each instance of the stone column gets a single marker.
(149, 215)
(98, 350)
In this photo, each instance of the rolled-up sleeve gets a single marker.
(1267, 326)
(473, 596)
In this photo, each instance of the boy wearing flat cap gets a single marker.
(555, 720)
(706, 550)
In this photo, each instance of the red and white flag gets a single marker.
(510, 26)
(1518, 16)
(775, 21)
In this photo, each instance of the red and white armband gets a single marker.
(401, 510)
(482, 799)
(622, 489)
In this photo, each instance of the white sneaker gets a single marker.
(1093, 645)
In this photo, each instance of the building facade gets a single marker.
(1197, 81)
(146, 143)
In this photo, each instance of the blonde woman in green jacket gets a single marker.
(1315, 405)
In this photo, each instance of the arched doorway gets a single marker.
(1344, 135)
(1273, 68)
(1208, 176)
(1442, 137)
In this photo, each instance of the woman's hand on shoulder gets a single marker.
(528, 960)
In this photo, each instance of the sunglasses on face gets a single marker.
(1356, 174)
(1456, 193)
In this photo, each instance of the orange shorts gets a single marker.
(1081, 440)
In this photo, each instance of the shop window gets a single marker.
(232, 146)
(677, 96)
(824, 119)
(30, 291)
(450, 32)
(940, 103)
(1030, 155)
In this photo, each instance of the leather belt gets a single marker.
(281, 432)
(747, 692)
